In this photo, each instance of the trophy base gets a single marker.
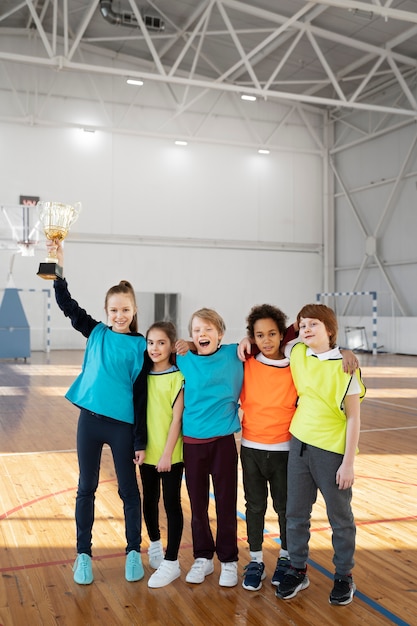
(50, 271)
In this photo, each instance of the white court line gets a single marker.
(381, 430)
(35, 452)
(74, 450)
(398, 406)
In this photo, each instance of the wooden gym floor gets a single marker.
(38, 469)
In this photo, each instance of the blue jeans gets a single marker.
(92, 433)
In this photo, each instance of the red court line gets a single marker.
(16, 568)
(109, 480)
(266, 535)
(386, 520)
(45, 497)
(386, 480)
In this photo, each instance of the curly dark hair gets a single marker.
(266, 311)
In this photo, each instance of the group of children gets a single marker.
(300, 422)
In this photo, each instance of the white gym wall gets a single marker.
(331, 208)
(223, 226)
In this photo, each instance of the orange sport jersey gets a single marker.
(268, 401)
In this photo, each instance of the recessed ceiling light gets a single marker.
(134, 81)
(263, 151)
(181, 143)
(248, 98)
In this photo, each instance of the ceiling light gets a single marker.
(263, 151)
(248, 98)
(181, 143)
(363, 14)
(134, 81)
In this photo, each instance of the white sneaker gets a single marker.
(199, 570)
(228, 576)
(155, 554)
(165, 574)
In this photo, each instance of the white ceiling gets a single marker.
(328, 53)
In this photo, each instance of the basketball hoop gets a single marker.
(23, 221)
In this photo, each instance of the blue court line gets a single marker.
(371, 603)
(377, 607)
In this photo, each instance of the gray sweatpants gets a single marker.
(310, 469)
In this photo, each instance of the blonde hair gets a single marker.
(211, 316)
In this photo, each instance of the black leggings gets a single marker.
(171, 493)
(93, 432)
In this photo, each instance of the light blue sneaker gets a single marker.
(83, 570)
(134, 568)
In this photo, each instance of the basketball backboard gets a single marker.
(19, 228)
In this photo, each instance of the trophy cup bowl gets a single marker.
(56, 219)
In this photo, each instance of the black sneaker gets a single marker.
(294, 581)
(254, 573)
(283, 564)
(343, 590)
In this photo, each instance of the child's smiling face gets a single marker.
(120, 311)
(159, 348)
(205, 335)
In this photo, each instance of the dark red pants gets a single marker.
(217, 459)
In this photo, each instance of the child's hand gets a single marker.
(181, 347)
(244, 348)
(139, 457)
(55, 249)
(345, 476)
(52, 245)
(350, 362)
(164, 463)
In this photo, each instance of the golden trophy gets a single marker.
(56, 219)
